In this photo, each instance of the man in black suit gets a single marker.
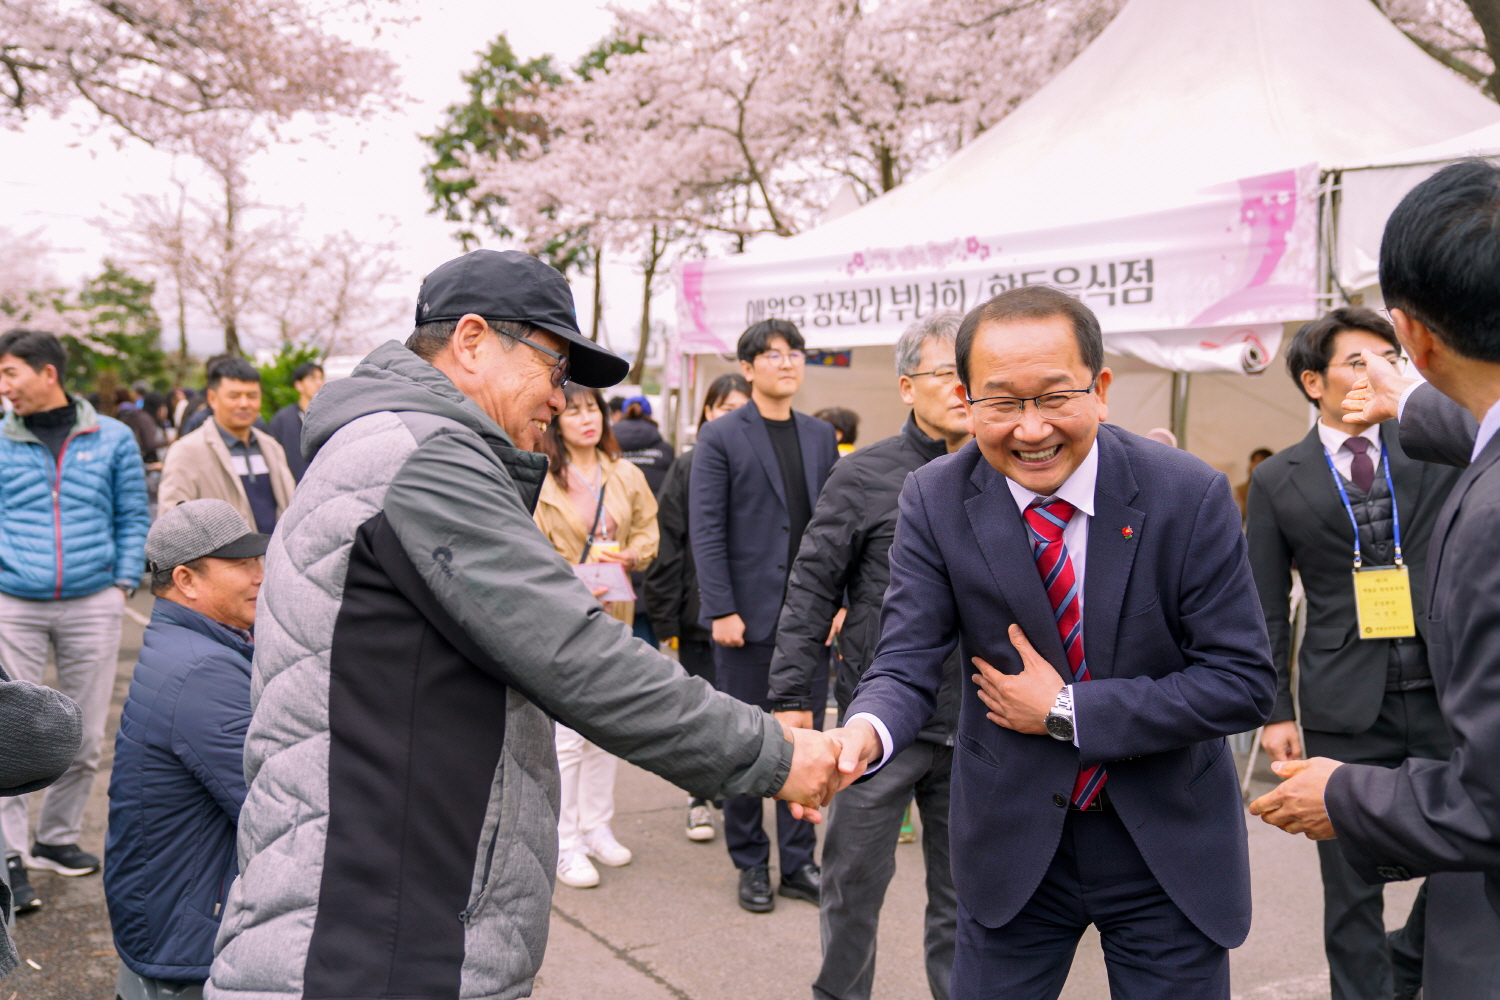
(1363, 700)
(755, 477)
(1106, 577)
(1438, 262)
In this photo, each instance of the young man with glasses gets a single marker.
(1363, 699)
(756, 475)
(1105, 578)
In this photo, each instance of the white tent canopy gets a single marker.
(1183, 145)
(1369, 189)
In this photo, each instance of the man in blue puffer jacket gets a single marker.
(73, 520)
(179, 779)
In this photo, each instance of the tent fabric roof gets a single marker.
(1173, 97)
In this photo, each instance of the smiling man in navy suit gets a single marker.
(1098, 583)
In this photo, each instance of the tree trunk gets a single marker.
(654, 253)
(1487, 15)
(230, 306)
(598, 294)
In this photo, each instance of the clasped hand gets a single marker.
(1296, 805)
(826, 763)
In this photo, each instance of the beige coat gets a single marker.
(629, 501)
(198, 466)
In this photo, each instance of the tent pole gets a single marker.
(1179, 407)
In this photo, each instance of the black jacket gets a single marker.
(1295, 514)
(845, 553)
(286, 428)
(670, 592)
(643, 446)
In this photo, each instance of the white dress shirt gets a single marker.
(1078, 490)
(1343, 459)
(1487, 429)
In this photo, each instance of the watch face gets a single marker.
(1060, 727)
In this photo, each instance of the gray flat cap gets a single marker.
(201, 528)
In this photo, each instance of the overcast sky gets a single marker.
(56, 177)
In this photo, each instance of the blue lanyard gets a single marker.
(1338, 481)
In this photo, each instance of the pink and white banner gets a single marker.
(1205, 287)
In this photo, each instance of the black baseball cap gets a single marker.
(512, 286)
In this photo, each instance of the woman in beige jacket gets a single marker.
(594, 507)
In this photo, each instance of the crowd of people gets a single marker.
(404, 631)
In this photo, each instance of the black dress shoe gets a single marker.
(804, 883)
(755, 889)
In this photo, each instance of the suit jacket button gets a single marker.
(1060, 800)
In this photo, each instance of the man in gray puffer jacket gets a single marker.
(416, 635)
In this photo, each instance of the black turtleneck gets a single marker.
(52, 427)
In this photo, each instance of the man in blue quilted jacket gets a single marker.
(179, 777)
(73, 522)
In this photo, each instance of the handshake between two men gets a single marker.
(824, 764)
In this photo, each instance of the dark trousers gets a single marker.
(744, 673)
(1151, 950)
(1463, 931)
(859, 858)
(696, 657)
(1359, 958)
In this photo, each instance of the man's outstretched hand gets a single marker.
(814, 775)
(855, 747)
(1296, 805)
(1375, 398)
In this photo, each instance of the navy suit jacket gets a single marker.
(1176, 648)
(738, 522)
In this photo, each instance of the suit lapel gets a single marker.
(1111, 555)
(1006, 548)
(1311, 478)
(808, 447)
(760, 444)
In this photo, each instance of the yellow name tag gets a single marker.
(1383, 596)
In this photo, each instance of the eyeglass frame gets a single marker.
(1359, 363)
(1033, 400)
(561, 360)
(938, 373)
(793, 355)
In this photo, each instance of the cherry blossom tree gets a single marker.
(152, 68)
(1463, 35)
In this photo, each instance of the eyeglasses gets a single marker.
(776, 357)
(1057, 405)
(1358, 366)
(559, 371)
(947, 376)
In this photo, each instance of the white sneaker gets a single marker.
(573, 868)
(700, 823)
(602, 846)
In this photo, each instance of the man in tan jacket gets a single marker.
(228, 457)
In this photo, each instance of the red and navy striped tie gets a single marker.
(1047, 522)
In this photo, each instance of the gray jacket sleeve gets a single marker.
(1436, 429)
(463, 524)
(40, 732)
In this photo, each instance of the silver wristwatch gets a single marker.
(1060, 719)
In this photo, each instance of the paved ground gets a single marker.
(667, 926)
